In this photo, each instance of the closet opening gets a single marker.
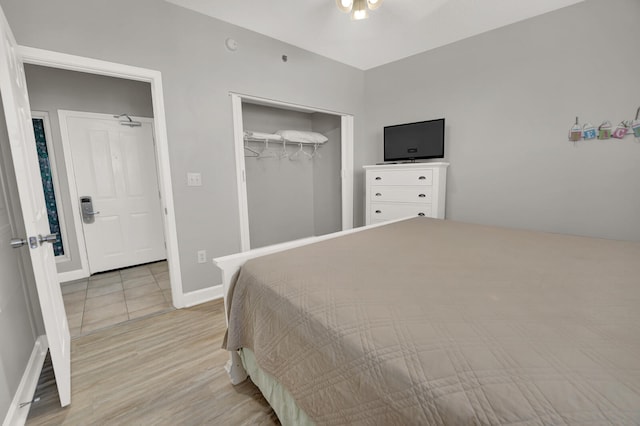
(294, 171)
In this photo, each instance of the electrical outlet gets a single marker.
(202, 256)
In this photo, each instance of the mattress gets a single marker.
(427, 321)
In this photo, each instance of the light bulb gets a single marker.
(347, 3)
(359, 14)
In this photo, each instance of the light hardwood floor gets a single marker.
(161, 370)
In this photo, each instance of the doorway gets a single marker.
(161, 152)
(343, 172)
(109, 161)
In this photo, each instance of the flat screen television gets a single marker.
(414, 141)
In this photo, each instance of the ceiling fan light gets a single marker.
(359, 14)
(374, 4)
(359, 10)
(345, 5)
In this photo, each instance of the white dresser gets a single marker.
(395, 191)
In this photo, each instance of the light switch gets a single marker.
(194, 179)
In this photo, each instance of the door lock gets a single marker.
(86, 207)
(19, 242)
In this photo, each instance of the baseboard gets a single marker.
(77, 274)
(28, 383)
(201, 296)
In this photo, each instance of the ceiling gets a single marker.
(399, 28)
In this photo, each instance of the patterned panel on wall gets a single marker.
(47, 185)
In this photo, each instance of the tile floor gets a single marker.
(110, 298)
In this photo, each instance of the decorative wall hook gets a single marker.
(575, 134)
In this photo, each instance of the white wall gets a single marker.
(509, 97)
(52, 89)
(198, 73)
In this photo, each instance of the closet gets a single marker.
(292, 161)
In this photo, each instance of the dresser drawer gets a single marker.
(388, 211)
(407, 194)
(397, 177)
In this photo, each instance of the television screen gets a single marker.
(413, 141)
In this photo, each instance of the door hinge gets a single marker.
(166, 212)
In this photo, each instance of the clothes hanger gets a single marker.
(284, 153)
(296, 155)
(253, 151)
(315, 151)
(268, 152)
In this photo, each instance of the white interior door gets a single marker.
(17, 113)
(115, 165)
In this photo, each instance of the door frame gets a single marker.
(346, 146)
(59, 60)
(71, 176)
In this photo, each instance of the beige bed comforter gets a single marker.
(436, 322)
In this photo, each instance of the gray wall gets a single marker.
(52, 89)
(289, 199)
(197, 74)
(327, 189)
(509, 97)
(20, 320)
(279, 191)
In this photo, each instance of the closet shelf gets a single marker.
(288, 136)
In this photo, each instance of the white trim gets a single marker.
(78, 63)
(346, 143)
(77, 274)
(28, 383)
(241, 181)
(73, 193)
(44, 116)
(346, 130)
(202, 296)
(282, 104)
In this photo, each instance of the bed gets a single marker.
(426, 321)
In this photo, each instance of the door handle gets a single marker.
(18, 242)
(86, 208)
(51, 238)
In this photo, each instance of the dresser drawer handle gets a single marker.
(421, 214)
(378, 194)
(378, 211)
(421, 178)
(422, 195)
(378, 178)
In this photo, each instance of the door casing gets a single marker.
(347, 134)
(59, 60)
